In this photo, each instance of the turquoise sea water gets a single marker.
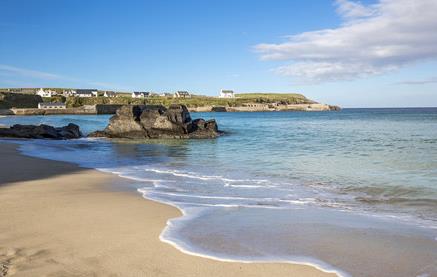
(276, 176)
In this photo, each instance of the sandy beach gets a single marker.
(62, 220)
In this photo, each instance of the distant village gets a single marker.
(43, 92)
(89, 100)
(88, 93)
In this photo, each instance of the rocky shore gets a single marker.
(267, 107)
(111, 109)
(84, 110)
(71, 131)
(156, 121)
(131, 122)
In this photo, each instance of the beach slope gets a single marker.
(58, 219)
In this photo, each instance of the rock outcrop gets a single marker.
(71, 131)
(156, 121)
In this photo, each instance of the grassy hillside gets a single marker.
(289, 98)
(195, 101)
(27, 100)
(18, 100)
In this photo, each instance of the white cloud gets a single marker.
(431, 80)
(372, 40)
(351, 10)
(11, 70)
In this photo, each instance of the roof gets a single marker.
(227, 91)
(51, 104)
(85, 91)
(183, 92)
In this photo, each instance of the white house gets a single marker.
(166, 94)
(51, 106)
(109, 94)
(225, 93)
(182, 94)
(140, 94)
(68, 93)
(86, 93)
(45, 93)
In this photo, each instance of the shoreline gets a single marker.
(37, 237)
(326, 268)
(111, 109)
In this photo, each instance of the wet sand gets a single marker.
(58, 219)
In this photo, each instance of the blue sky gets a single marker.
(353, 54)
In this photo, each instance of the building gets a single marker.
(140, 94)
(69, 93)
(45, 92)
(166, 94)
(51, 106)
(109, 94)
(225, 93)
(182, 94)
(86, 93)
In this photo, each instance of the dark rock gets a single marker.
(97, 134)
(204, 129)
(126, 122)
(334, 108)
(211, 125)
(42, 131)
(218, 109)
(155, 121)
(71, 131)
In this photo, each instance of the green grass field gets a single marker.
(194, 101)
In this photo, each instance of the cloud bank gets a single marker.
(431, 80)
(28, 74)
(12, 70)
(372, 39)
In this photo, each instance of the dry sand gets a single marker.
(57, 219)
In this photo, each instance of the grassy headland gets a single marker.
(195, 101)
(28, 102)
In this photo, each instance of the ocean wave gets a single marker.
(425, 202)
(192, 175)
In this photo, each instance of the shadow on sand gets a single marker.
(14, 166)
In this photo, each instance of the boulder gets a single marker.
(71, 131)
(219, 109)
(156, 121)
(203, 129)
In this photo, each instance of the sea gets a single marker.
(352, 192)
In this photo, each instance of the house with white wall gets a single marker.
(140, 94)
(86, 93)
(45, 92)
(109, 94)
(182, 94)
(69, 93)
(226, 93)
(51, 106)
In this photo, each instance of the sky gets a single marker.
(375, 53)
